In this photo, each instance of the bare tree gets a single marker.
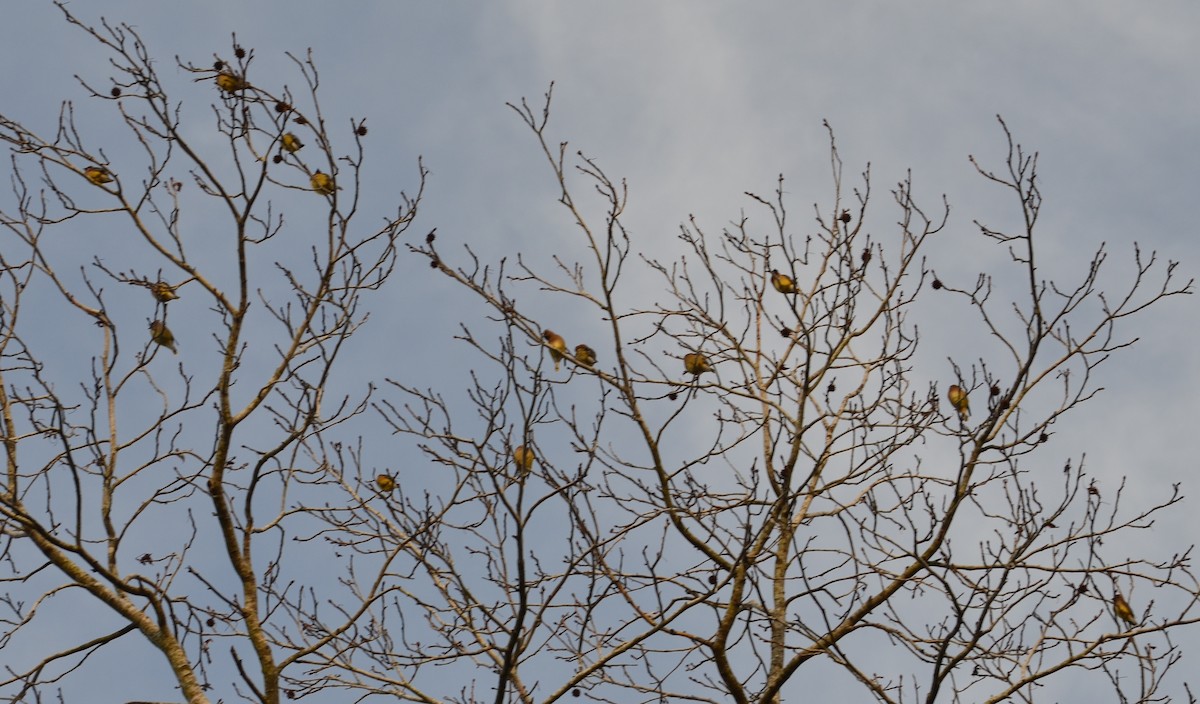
(170, 490)
(745, 489)
(750, 484)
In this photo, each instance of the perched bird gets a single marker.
(558, 346)
(385, 483)
(163, 292)
(323, 183)
(958, 399)
(585, 355)
(97, 174)
(695, 363)
(230, 83)
(291, 142)
(1123, 611)
(523, 458)
(782, 282)
(162, 335)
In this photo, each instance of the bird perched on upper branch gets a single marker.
(163, 292)
(385, 483)
(1123, 611)
(695, 363)
(782, 282)
(161, 334)
(230, 83)
(291, 142)
(322, 183)
(523, 458)
(558, 346)
(958, 399)
(97, 174)
(585, 355)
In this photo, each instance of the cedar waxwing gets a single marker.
(160, 334)
(290, 142)
(385, 483)
(782, 282)
(695, 363)
(558, 346)
(523, 457)
(585, 355)
(1123, 611)
(958, 399)
(323, 183)
(97, 174)
(230, 83)
(163, 292)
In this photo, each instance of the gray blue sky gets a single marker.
(695, 102)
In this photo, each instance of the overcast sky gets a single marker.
(695, 102)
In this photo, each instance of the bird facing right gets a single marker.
(163, 292)
(97, 174)
(585, 355)
(696, 364)
(290, 142)
(230, 83)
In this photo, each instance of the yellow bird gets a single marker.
(291, 142)
(163, 292)
(1123, 611)
(161, 334)
(385, 483)
(323, 183)
(523, 458)
(695, 363)
(558, 346)
(230, 83)
(782, 282)
(97, 174)
(585, 355)
(958, 399)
